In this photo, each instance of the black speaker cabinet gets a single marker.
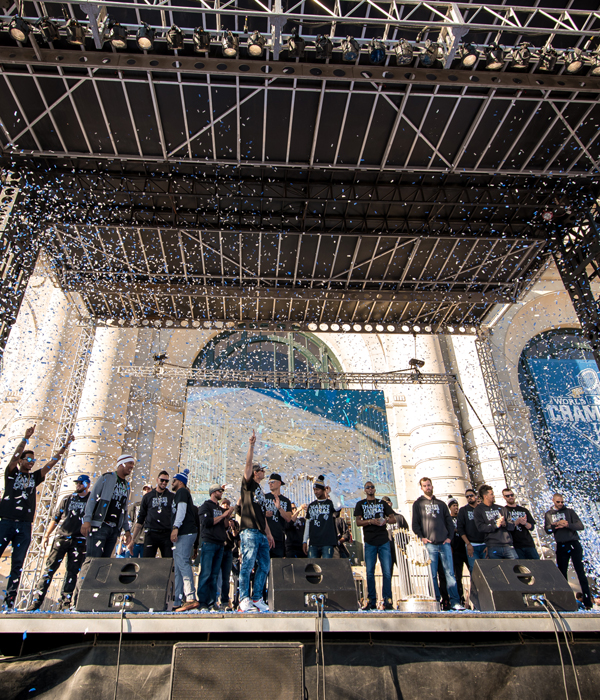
(138, 585)
(293, 582)
(509, 584)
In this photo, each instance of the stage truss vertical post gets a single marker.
(34, 561)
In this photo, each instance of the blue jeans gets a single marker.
(383, 551)
(184, 576)
(320, 552)
(17, 534)
(255, 550)
(138, 550)
(527, 553)
(478, 553)
(101, 541)
(507, 552)
(443, 552)
(226, 567)
(210, 567)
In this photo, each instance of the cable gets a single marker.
(542, 600)
(477, 416)
(564, 629)
(322, 597)
(125, 598)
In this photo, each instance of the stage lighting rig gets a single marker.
(256, 44)
(350, 49)
(48, 29)
(230, 44)
(520, 57)
(433, 52)
(323, 47)
(404, 53)
(494, 57)
(160, 360)
(117, 35)
(145, 37)
(595, 63)
(19, 29)
(573, 61)
(547, 59)
(296, 45)
(376, 51)
(468, 55)
(175, 38)
(75, 33)
(201, 40)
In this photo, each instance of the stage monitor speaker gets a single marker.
(237, 670)
(294, 582)
(512, 584)
(137, 585)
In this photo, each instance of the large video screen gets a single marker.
(301, 433)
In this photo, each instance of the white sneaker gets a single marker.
(247, 605)
(261, 605)
(458, 606)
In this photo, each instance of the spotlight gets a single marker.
(296, 45)
(19, 29)
(432, 53)
(404, 53)
(75, 33)
(256, 44)
(595, 64)
(376, 51)
(494, 57)
(323, 47)
(175, 38)
(350, 49)
(573, 61)
(230, 45)
(48, 29)
(468, 55)
(547, 59)
(145, 37)
(201, 40)
(520, 57)
(117, 35)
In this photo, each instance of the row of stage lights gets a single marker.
(429, 54)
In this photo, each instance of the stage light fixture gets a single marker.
(468, 55)
(145, 37)
(350, 49)
(520, 57)
(75, 33)
(175, 38)
(117, 35)
(323, 47)
(256, 44)
(573, 61)
(494, 57)
(433, 52)
(296, 45)
(404, 53)
(19, 29)
(376, 52)
(48, 29)
(230, 44)
(547, 59)
(595, 64)
(201, 40)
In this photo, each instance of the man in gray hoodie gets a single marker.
(106, 510)
(495, 524)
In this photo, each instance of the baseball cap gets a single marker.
(277, 477)
(82, 479)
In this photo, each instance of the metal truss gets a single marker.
(34, 561)
(298, 380)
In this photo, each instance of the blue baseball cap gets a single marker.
(82, 479)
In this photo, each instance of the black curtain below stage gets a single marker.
(520, 669)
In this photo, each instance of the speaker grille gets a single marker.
(237, 671)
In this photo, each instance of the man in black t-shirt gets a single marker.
(524, 524)
(278, 514)
(373, 515)
(154, 517)
(183, 536)
(320, 533)
(68, 542)
(255, 536)
(17, 507)
(136, 546)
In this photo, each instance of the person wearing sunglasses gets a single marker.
(564, 524)
(17, 508)
(524, 524)
(155, 516)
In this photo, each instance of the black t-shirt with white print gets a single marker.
(375, 535)
(254, 506)
(155, 510)
(521, 535)
(18, 501)
(276, 522)
(117, 502)
(69, 515)
(321, 527)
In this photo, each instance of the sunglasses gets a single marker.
(369, 488)
(164, 481)
(509, 495)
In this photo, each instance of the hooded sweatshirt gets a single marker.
(431, 520)
(485, 519)
(563, 534)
